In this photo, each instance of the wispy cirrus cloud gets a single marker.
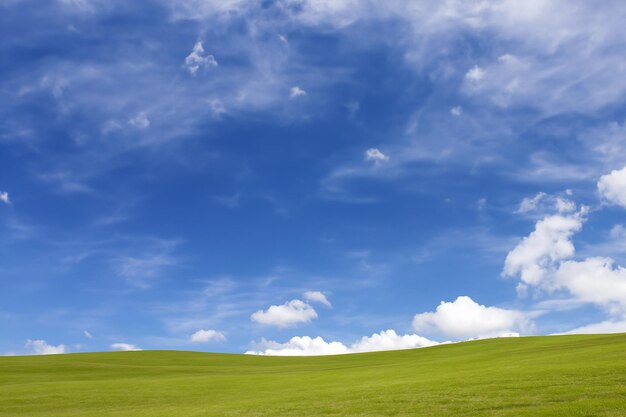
(486, 106)
(139, 269)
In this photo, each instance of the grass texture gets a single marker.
(582, 375)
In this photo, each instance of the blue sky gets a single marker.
(309, 176)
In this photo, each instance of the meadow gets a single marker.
(581, 375)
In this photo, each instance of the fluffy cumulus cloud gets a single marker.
(547, 244)
(390, 340)
(198, 59)
(551, 60)
(544, 260)
(291, 313)
(205, 336)
(594, 280)
(612, 187)
(307, 346)
(317, 297)
(41, 347)
(466, 319)
(299, 346)
(124, 347)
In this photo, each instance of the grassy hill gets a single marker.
(533, 376)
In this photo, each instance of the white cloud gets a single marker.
(612, 187)
(508, 59)
(531, 79)
(40, 347)
(544, 260)
(197, 59)
(296, 91)
(140, 121)
(563, 205)
(464, 319)
(317, 297)
(374, 154)
(548, 243)
(608, 326)
(4, 197)
(390, 340)
(299, 346)
(543, 203)
(124, 347)
(87, 334)
(288, 314)
(456, 111)
(205, 336)
(553, 46)
(530, 204)
(308, 346)
(475, 74)
(594, 280)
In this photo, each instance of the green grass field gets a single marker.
(532, 376)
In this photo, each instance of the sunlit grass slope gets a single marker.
(534, 376)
